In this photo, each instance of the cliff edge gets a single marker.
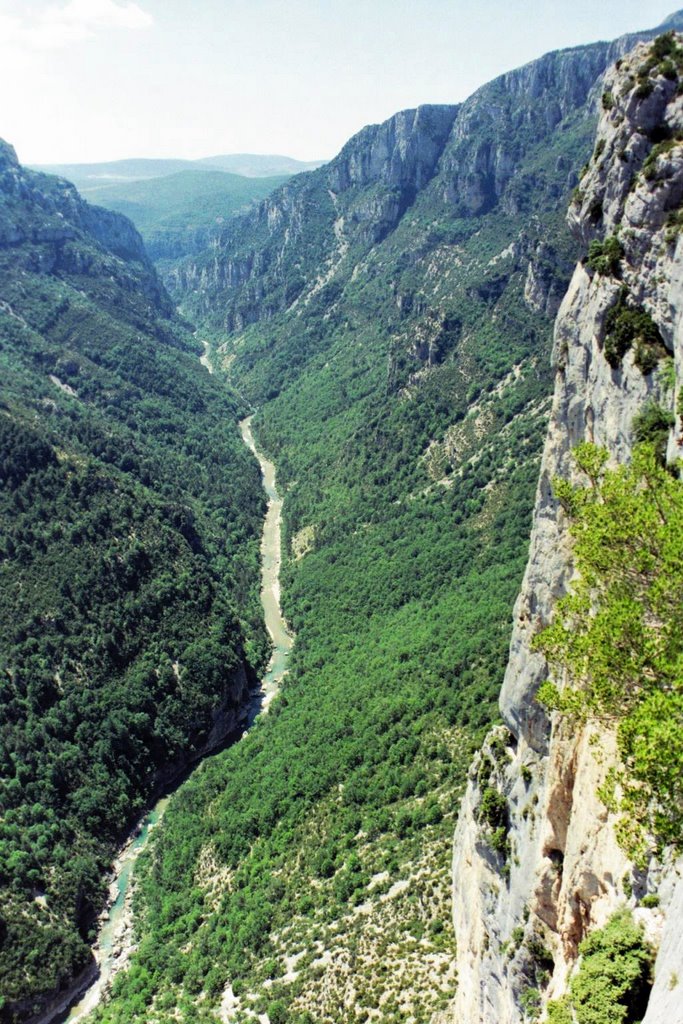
(536, 864)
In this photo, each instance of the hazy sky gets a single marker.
(85, 80)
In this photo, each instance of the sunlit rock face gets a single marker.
(565, 872)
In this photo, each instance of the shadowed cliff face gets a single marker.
(565, 873)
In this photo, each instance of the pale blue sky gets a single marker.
(105, 79)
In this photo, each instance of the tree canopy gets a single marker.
(615, 646)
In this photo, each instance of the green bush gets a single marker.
(614, 979)
(664, 45)
(668, 69)
(604, 256)
(644, 89)
(662, 147)
(278, 1012)
(493, 809)
(517, 935)
(493, 812)
(651, 426)
(674, 223)
(559, 1012)
(530, 1001)
(626, 326)
(498, 840)
(619, 635)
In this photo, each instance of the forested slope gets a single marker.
(390, 314)
(178, 214)
(130, 514)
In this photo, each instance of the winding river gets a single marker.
(115, 938)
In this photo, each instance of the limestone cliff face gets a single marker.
(41, 215)
(292, 242)
(402, 152)
(457, 161)
(495, 126)
(498, 123)
(63, 209)
(519, 923)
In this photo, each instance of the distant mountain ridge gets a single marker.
(178, 205)
(178, 214)
(250, 165)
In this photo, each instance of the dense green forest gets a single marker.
(130, 517)
(349, 787)
(403, 396)
(390, 317)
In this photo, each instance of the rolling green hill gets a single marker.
(177, 213)
(248, 165)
